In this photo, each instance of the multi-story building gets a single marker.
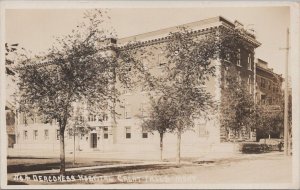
(126, 133)
(10, 108)
(269, 91)
(268, 85)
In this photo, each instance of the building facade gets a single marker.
(268, 85)
(269, 92)
(10, 108)
(125, 134)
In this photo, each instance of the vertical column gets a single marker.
(220, 133)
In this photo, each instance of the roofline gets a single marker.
(166, 31)
(173, 28)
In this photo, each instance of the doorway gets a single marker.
(93, 140)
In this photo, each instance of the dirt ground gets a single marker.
(264, 168)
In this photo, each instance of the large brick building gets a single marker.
(126, 134)
(269, 92)
(268, 85)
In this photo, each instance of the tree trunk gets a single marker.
(161, 135)
(62, 150)
(178, 148)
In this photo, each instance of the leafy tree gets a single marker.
(192, 60)
(269, 121)
(160, 119)
(182, 97)
(80, 67)
(237, 107)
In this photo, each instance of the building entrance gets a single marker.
(93, 140)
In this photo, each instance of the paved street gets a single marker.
(260, 168)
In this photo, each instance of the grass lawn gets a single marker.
(26, 164)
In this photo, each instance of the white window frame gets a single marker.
(127, 111)
(35, 135)
(249, 62)
(46, 135)
(25, 135)
(239, 57)
(126, 132)
(57, 134)
(105, 133)
(144, 131)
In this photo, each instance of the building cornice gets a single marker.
(161, 36)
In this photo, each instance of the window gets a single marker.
(225, 76)
(239, 57)
(144, 112)
(25, 135)
(161, 59)
(239, 79)
(105, 117)
(126, 90)
(227, 57)
(44, 119)
(270, 86)
(92, 118)
(127, 111)
(35, 134)
(249, 62)
(70, 133)
(105, 132)
(57, 134)
(128, 132)
(263, 99)
(249, 84)
(34, 119)
(24, 118)
(144, 133)
(145, 64)
(263, 83)
(46, 134)
(203, 132)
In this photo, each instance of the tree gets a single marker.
(160, 119)
(191, 62)
(237, 107)
(270, 119)
(80, 67)
(181, 85)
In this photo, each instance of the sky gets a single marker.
(35, 29)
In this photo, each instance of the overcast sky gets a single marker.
(35, 29)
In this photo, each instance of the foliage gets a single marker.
(191, 60)
(268, 121)
(188, 68)
(237, 107)
(80, 67)
(161, 118)
(254, 148)
(181, 96)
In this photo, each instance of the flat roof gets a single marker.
(165, 31)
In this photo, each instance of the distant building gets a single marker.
(268, 85)
(10, 108)
(126, 134)
(269, 91)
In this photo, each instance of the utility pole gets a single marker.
(74, 128)
(286, 97)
